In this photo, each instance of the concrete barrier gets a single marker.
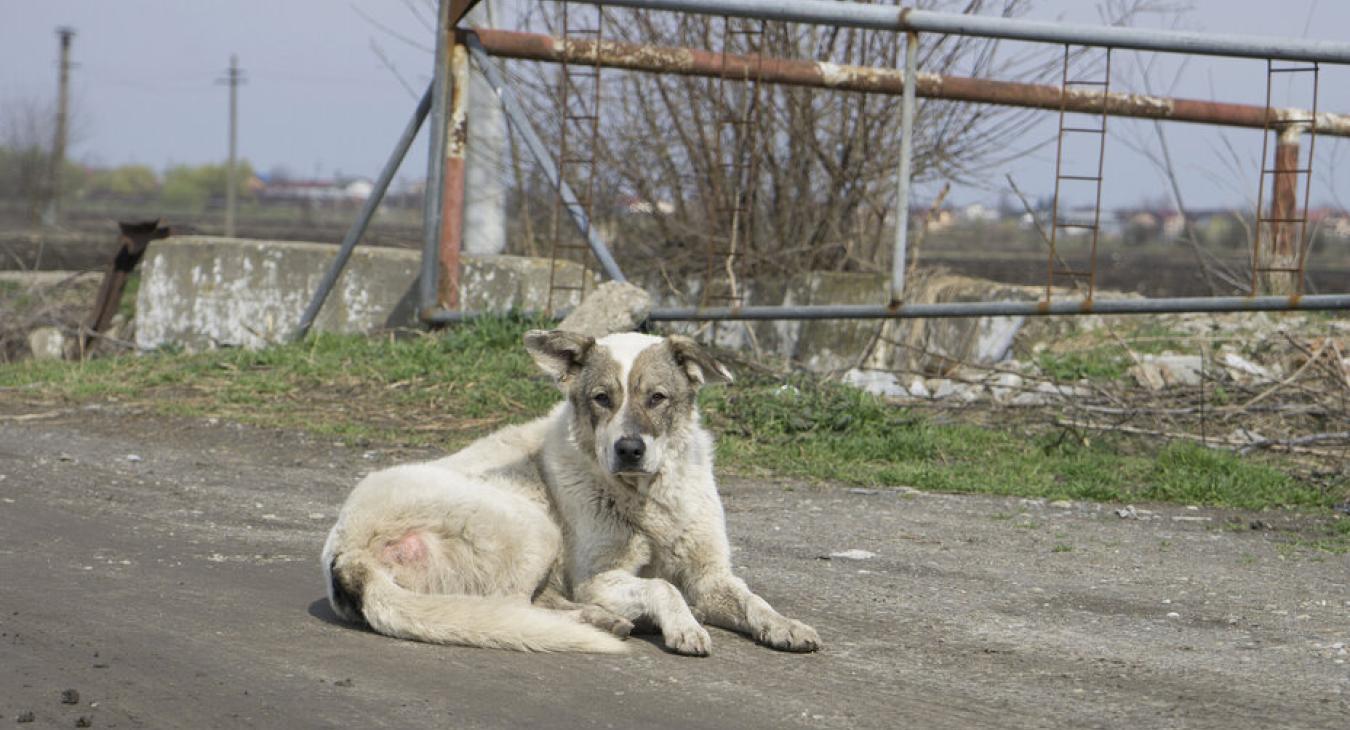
(199, 291)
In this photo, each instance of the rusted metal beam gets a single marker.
(452, 189)
(821, 74)
(135, 238)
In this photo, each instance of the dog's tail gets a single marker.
(361, 588)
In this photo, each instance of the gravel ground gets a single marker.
(166, 571)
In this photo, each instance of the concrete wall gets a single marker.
(200, 291)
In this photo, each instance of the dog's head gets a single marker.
(633, 396)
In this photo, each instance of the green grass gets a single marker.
(449, 388)
(1099, 356)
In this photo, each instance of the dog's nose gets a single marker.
(629, 449)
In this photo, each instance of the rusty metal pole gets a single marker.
(1283, 239)
(135, 238)
(452, 186)
(890, 81)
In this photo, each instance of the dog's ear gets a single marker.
(558, 353)
(700, 366)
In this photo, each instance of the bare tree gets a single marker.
(814, 169)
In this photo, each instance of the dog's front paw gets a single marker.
(787, 634)
(607, 620)
(691, 640)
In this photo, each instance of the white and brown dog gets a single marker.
(558, 534)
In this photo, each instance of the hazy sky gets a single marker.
(319, 100)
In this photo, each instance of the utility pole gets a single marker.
(234, 77)
(52, 214)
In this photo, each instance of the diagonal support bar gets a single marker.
(516, 115)
(368, 208)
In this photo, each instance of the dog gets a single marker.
(560, 534)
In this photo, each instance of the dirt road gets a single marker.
(167, 571)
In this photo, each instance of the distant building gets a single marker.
(349, 191)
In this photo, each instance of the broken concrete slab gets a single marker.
(613, 307)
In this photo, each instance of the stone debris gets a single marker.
(1156, 372)
(47, 343)
(1239, 366)
(613, 307)
(1128, 512)
(878, 382)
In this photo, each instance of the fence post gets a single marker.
(902, 180)
(1284, 232)
(452, 189)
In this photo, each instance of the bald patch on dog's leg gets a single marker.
(411, 549)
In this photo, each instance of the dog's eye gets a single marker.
(656, 399)
(601, 399)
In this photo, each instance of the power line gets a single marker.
(51, 215)
(234, 76)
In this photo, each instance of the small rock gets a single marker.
(1260, 525)
(919, 389)
(863, 490)
(1005, 385)
(70, 697)
(343, 682)
(941, 388)
(1173, 614)
(876, 382)
(1062, 504)
(1128, 512)
(1029, 399)
(1240, 366)
(25, 716)
(65, 457)
(84, 721)
(134, 458)
(853, 554)
(47, 343)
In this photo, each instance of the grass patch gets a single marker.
(449, 388)
(1098, 356)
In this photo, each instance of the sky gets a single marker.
(320, 100)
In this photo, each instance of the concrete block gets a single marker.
(612, 307)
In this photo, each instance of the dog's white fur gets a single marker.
(542, 537)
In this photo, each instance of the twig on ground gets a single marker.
(1290, 443)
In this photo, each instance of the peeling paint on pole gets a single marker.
(452, 190)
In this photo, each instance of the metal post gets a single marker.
(521, 122)
(433, 203)
(452, 187)
(368, 208)
(1283, 253)
(902, 177)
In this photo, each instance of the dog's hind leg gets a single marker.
(597, 616)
